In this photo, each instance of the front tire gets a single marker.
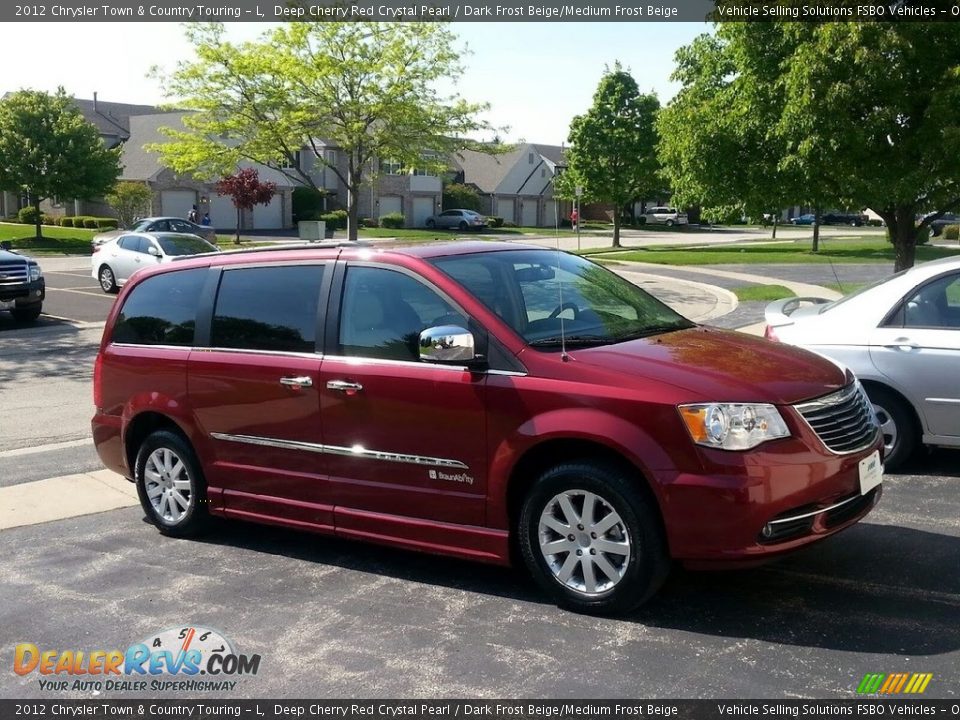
(592, 539)
(108, 281)
(26, 313)
(431, 223)
(170, 485)
(897, 425)
(669, 223)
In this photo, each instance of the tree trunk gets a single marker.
(776, 217)
(39, 223)
(816, 229)
(353, 199)
(903, 234)
(616, 225)
(236, 240)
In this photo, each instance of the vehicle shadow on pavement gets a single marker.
(871, 589)
(51, 354)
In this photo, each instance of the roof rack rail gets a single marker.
(281, 246)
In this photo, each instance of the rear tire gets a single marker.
(462, 226)
(108, 281)
(669, 223)
(617, 556)
(897, 424)
(170, 485)
(26, 313)
(431, 223)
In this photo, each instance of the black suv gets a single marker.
(937, 226)
(843, 218)
(22, 288)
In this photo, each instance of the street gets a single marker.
(332, 618)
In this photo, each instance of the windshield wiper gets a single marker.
(653, 330)
(570, 341)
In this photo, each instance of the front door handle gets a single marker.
(300, 382)
(902, 343)
(344, 386)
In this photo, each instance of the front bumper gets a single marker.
(29, 293)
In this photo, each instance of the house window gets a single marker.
(392, 167)
(420, 172)
(543, 172)
(292, 160)
(530, 158)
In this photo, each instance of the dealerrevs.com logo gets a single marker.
(189, 659)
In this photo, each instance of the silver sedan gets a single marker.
(901, 337)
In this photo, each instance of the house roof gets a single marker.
(485, 170)
(112, 119)
(142, 165)
(553, 154)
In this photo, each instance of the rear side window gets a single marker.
(268, 308)
(161, 310)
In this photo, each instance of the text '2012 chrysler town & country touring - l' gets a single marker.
(481, 400)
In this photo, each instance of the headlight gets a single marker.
(35, 273)
(733, 426)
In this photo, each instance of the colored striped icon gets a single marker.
(894, 683)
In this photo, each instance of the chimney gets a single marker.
(95, 101)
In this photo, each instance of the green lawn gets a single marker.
(763, 292)
(55, 239)
(831, 251)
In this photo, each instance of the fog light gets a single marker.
(767, 530)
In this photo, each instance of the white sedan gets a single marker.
(901, 337)
(116, 260)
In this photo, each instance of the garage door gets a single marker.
(505, 209)
(528, 213)
(269, 217)
(422, 209)
(223, 215)
(550, 218)
(390, 204)
(177, 203)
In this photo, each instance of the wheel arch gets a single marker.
(141, 426)
(914, 413)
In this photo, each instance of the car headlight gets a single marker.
(733, 426)
(35, 273)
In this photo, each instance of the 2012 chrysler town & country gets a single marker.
(482, 400)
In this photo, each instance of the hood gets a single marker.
(10, 256)
(720, 365)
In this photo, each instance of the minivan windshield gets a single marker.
(548, 296)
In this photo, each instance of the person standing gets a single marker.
(193, 216)
(574, 218)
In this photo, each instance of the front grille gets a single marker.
(844, 421)
(13, 273)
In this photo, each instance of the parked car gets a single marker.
(937, 226)
(113, 262)
(158, 224)
(808, 219)
(663, 216)
(468, 398)
(901, 337)
(843, 218)
(459, 219)
(22, 287)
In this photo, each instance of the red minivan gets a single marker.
(483, 400)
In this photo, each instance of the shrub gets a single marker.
(65, 221)
(508, 224)
(495, 221)
(90, 223)
(106, 223)
(457, 196)
(393, 220)
(336, 220)
(48, 219)
(369, 222)
(307, 204)
(27, 215)
(951, 232)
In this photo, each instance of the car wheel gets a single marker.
(108, 283)
(934, 231)
(669, 223)
(642, 220)
(462, 226)
(592, 539)
(170, 484)
(431, 223)
(897, 425)
(26, 313)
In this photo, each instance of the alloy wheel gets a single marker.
(168, 485)
(888, 426)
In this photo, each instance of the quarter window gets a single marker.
(935, 305)
(268, 308)
(161, 310)
(383, 313)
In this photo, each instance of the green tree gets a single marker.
(130, 200)
(823, 114)
(613, 147)
(367, 89)
(460, 196)
(48, 149)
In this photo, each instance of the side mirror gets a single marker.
(447, 344)
(153, 251)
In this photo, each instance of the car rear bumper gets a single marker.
(108, 440)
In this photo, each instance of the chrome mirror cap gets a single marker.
(448, 344)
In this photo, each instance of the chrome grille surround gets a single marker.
(844, 420)
(13, 273)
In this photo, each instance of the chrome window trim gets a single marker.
(357, 451)
(187, 348)
(792, 518)
(272, 353)
(362, 360)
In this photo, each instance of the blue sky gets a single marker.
(536, 76)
